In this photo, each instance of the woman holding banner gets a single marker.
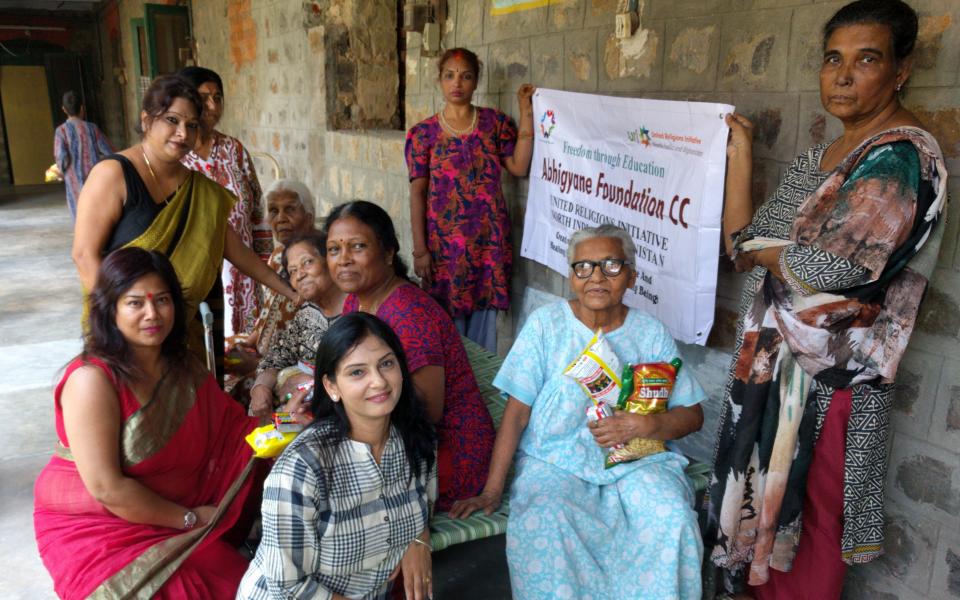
(839, 256)
(461, 229)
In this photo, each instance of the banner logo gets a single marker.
(548, 122)
(640, 136)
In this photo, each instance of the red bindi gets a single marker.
(149, 296)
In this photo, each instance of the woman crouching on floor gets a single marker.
(347, 503)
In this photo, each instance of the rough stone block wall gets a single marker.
(273, 76)
(760, 55)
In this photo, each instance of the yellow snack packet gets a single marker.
(597, 370)
(267, 442)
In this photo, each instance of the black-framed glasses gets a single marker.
(611, 267)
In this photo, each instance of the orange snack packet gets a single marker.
(646, 390)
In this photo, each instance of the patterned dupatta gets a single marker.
(792, 338)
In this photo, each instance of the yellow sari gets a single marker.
(191, 231)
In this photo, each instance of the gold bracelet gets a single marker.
(417, 540)
(525, 135)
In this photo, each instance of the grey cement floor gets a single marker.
(39, 333)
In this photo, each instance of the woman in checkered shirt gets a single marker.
(346, 506)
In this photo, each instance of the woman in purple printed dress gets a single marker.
(461, 230)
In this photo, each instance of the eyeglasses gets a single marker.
(611, 267)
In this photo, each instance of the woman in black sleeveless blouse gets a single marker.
(143, 196)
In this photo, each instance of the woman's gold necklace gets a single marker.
(374, 305)
(152, 174)
(448, 127)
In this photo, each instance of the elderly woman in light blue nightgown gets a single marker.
(576, 529)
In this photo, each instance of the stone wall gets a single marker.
(760, 55)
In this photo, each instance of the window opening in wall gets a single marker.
(168, 37)
(141, 56)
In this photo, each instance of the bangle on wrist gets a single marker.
(525, 135)
(420, 254)
(417, 540)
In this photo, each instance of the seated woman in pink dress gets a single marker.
(151, 473)
(364, 261)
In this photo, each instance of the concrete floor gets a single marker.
(39, 333)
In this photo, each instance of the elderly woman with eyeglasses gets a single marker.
(576, 529)
(289, 208)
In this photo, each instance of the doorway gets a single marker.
(28, 121)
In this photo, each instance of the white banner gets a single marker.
(653, 167)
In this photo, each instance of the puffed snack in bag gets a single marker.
(645, 391)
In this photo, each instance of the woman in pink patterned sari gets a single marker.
(223, 159)
(151, 476)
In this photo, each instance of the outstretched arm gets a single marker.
(516, 415)
(738, 200)
(250, 265)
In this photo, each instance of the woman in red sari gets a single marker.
(151, 472)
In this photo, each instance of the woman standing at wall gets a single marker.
(461, 229)
(223, 159)
(839, 258)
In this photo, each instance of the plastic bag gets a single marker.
(646, 390)
(597, 370)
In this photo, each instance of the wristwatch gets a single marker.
(189, 519)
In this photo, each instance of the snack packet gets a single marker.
(646, 390)
(285, 423)
(267, 442)
(597, 370)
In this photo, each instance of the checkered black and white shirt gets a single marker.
(334, 521)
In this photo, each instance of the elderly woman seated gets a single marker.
(576, 529)
(290, 360)
(290, 215)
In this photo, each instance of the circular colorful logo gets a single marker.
(548, 122)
